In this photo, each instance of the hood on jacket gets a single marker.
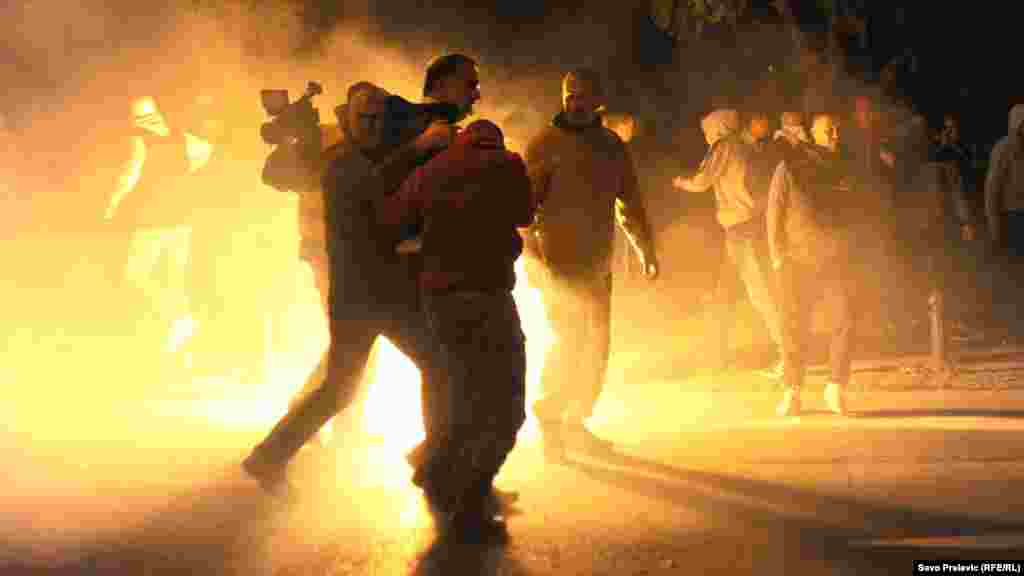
(793, 133)
(481, 134)
(719, 124)
(1016, 118)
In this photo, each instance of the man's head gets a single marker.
(719, 124)
(453, 78)
(582, 96)
(759, 125)
(825, 131)
(148, 117)
(364, 110)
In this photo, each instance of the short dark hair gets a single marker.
(442, 67)
(358, 87)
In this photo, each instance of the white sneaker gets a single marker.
(835, 398)
(790, 404)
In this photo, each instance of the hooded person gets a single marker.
(585, 180)
(729, 168)
(1004, 215)
(370, 292)
(1004, 186)
(808, 215)
(476, 191)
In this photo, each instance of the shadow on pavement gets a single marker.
(797, 524)
(447, 555)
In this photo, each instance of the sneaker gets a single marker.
(587, 442)
(790, 404)
(835, 398)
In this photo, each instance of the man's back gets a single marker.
(364, 266)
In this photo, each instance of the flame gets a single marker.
(391, 411)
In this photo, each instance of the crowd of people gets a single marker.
(841, 206)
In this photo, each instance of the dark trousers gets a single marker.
(746, 262)
(482, 350)
(579, 310)
(353, 332)
(801, 287)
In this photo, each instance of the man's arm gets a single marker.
(130, 174)
(775, 215)
(517, 194)
(994, 182)
(404, 205)
(539, 169)
(710, 170)
(630, 212)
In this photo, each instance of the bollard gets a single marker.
(938, 331)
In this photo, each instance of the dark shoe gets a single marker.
(587, 442)
(790, 404)
(554, 443)
(477, 527)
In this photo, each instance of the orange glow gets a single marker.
(392, 408)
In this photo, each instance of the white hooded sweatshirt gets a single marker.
(1004, 183)
(728, 169)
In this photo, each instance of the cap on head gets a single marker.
(482, 133)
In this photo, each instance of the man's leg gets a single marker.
(837, 291)
(563, 308)
(795, 324)
(483, 348)
(178, 243)
(346, 361)
(592, 330)
(718, 311)
(751, 260)
(409, 331)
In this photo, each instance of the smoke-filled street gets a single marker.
(707, 483)
(351, 287)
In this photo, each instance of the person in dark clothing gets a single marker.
(471, 199)
(583, 176)
(369, 292)
(808, 210)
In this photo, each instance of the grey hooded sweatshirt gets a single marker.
(1004, 183)
(728, 168)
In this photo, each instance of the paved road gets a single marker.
(706, 483)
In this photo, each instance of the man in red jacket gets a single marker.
(471, 199)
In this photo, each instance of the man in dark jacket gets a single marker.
(471, 199)
(370, 293)
(808, 215)
(583, 177)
